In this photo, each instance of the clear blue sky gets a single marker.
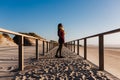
(80, 18)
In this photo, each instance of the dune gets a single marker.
(6, 40)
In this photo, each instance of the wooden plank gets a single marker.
(37, 50)
(85, 48)
(74, 46)
(43, 47)
(71, 45)
(103, 33)
(77, 47)
(21, 53)
(47, 46)
(16, 33)
(101, 52)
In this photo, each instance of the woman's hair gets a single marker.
(60, 26)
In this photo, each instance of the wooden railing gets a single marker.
(101, 45)
(21, 46)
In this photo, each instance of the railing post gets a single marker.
(85, 48)
(43, 47)
(21, 53)
(74, 46)
(66, 44)
(101, 52)
(47, 46)
(71, 45)
(77, 47)
(37, 50)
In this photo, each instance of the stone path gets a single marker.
(72, 67)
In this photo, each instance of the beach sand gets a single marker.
(111, 58)
(9, 59)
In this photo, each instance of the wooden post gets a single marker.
(101, 52)
(77, 47)
(66, 44)
(21, 53)
(71, 45)
(74, 46)
(85, 48)
(37, 50)
(43, 47)
(47, 46)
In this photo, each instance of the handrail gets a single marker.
(104, 33)
(101, 45)
(21, 44)
(16, 33)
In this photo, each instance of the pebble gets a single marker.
(61, 69)
(1, 67)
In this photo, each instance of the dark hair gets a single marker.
(60, 25)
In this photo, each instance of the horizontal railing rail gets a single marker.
(49, 46)
(15, 33)
(100, 36)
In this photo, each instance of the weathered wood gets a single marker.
(16, 33)
(47, 46)
(74, 46)
(66, 44)
(21, 53)
(43, 47)
(69, 45)
(101, 52)
(77, 47)
(37, 50)
(104, 33)
(85, 48)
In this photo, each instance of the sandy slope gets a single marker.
(6, 41)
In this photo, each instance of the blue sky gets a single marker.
(80, 18)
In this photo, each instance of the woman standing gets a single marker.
(61, 40)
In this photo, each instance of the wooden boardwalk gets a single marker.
(46, 66)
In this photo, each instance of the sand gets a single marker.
(111, 58)
(9, 59)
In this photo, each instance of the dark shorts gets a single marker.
(61, 41)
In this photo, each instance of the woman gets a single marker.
(61, 40)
